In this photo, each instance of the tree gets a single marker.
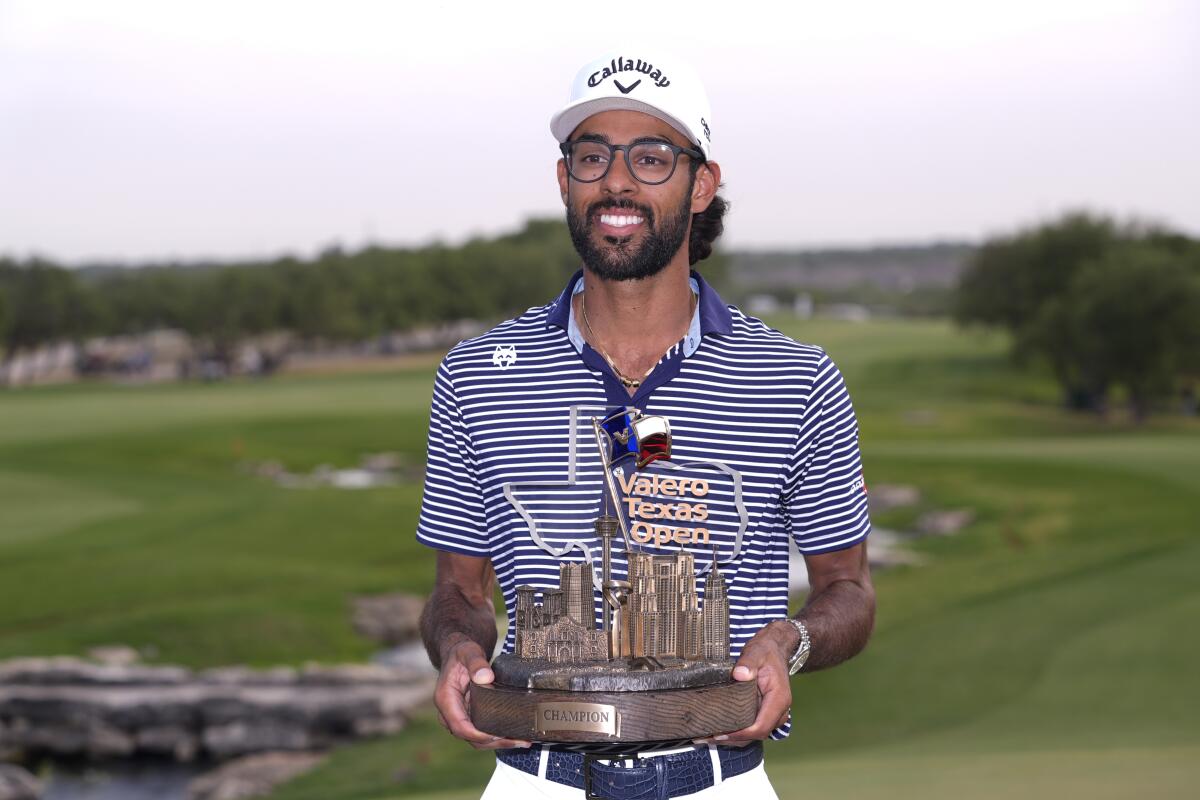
(4, 316)
(1010, 277)
(45, 303)
(1135, 314)
(1099, 302)
(338, 296)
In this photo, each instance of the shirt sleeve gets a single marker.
(825, 496)
(452, 510)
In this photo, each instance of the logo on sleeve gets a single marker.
(505, 355)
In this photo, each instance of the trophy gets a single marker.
(656, 672)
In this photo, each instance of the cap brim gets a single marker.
(568, 119)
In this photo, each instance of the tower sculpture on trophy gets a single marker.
(656, 670)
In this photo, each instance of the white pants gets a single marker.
(509, 783)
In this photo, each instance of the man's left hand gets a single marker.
(764, 659)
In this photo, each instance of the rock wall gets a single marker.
(17, 784)
(72, 707)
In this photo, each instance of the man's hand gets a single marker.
(464, 663)
(458, 627)
(764, 659)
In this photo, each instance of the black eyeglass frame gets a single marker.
(691, 152)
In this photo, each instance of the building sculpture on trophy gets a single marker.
(663, 617)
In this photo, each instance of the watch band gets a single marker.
(798, 658)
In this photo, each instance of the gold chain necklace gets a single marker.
(629, 383)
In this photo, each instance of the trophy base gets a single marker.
(617, 721)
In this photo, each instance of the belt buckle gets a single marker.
(588, 760)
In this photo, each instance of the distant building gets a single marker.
(848, 312)
(758, 305)
(802, 306)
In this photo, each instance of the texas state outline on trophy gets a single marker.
(657, 671)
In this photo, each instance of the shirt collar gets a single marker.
(711, 314)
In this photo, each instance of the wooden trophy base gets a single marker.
(616, 721)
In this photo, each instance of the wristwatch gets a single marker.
(797, 659)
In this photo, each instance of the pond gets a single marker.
(133, 780)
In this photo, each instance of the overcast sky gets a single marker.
(148, 130)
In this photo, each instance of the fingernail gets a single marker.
(721, 737)
(482, 676)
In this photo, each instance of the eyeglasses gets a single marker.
(652, 162)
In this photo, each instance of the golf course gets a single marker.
(1049, 649)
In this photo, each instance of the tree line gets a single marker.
(336, 296)
(1109, 306)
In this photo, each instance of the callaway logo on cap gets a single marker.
(654, 84)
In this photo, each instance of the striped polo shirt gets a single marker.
(510, 443)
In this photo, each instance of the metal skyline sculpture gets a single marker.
(656, 615)
(657, 670)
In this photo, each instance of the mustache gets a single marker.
(621, 205)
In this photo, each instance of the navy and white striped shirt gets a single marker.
(734, 391)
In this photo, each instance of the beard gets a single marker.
(621, 260)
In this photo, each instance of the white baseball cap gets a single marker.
(662, 86)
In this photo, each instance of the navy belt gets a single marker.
(650, 778)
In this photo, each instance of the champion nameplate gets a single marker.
(592, 717)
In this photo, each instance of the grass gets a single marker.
(1049, 648)
(144, 527)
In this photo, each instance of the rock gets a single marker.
(85, 735)
(350, 675)
(16, 783)
(887, 549)
(944, 523)
(382, 462)
(244, 676)
(251, 776)
(269, 469)
(254, 736)
(68, 670)
(412, 659)
(107, 741)
(117, 655)
(172, 741)
(67, 708)
(389, 619)
(886, 496)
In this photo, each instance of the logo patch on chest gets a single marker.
(505, 355)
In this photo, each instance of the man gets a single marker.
(637, 328)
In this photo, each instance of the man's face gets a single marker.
(624, 229)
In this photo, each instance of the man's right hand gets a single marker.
(464, 663)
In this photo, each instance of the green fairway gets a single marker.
(129, 517)
(1049, 649)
